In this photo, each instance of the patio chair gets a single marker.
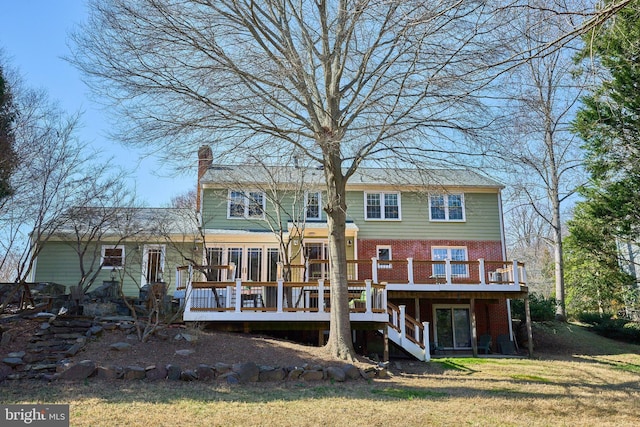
(505, 345)
(484, 343)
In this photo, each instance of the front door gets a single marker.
(453, 326)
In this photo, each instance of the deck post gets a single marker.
(228, 298)
(402, 322)
(385, 351)
(527, 315)
(374, 269)
(481, 271)
(474, 331)
(426, 341)
(320, 296)
(410, 270)
(447, 271)
(238, 295)
(280, 301)
(516, 273)
(368, 294)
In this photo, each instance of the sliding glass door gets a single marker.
(453, 326)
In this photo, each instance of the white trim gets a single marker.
(246, 202)
(111, 267)
(145, 260)
(382, 205)
(381, 264)
(306, 204)
(446, 208)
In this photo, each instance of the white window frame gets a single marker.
(306, 205)
(446, 208)
(382, 206)
(145, 261)
(381, 264)
(435, 323)
(246, 201)
(102, 257)
(449, 249)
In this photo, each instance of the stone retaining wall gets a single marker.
(60, 338)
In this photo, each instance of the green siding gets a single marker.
(214, 212)
(481, 210)
(59, 263)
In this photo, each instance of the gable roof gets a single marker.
(127, 221)
(223, 176)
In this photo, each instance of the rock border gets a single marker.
(63, 337)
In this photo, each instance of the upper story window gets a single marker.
(112, 256)
(382, 206)
(313, 204)
(246, 204)
(446, 207)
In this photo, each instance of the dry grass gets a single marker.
(597, 383)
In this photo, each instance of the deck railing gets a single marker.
(280, 296)
(424, 272)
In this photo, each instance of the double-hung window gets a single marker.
(446, 207)
(246, 204)
(452, 254)
(112, 256)
(382, 206)
(313, 203)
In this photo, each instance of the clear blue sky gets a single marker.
(33, 36)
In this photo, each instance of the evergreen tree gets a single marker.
(7, 153)
(609, 122)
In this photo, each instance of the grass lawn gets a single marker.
(600, 386)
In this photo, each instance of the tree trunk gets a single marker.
(340, 343)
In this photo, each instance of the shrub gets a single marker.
(542, 309)
(592, 318)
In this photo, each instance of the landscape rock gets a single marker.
(351, 371)
(185, 352)
(222, 368)
(5, 371)
(312, 375)
(120, 346)
(134, 373)
(74, 349)
(271, 374)
(156, 372)
(13, 361)
(174, 372)
(247, 372)
(18, 354)
(109, 372)
(79, 371)
(295, 373)
(186, 337)
(189, 375)
(205, 372)
(336, 373)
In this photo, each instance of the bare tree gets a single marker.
(85, 227)
(53, 174)
(542, 153)
(341, 81)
